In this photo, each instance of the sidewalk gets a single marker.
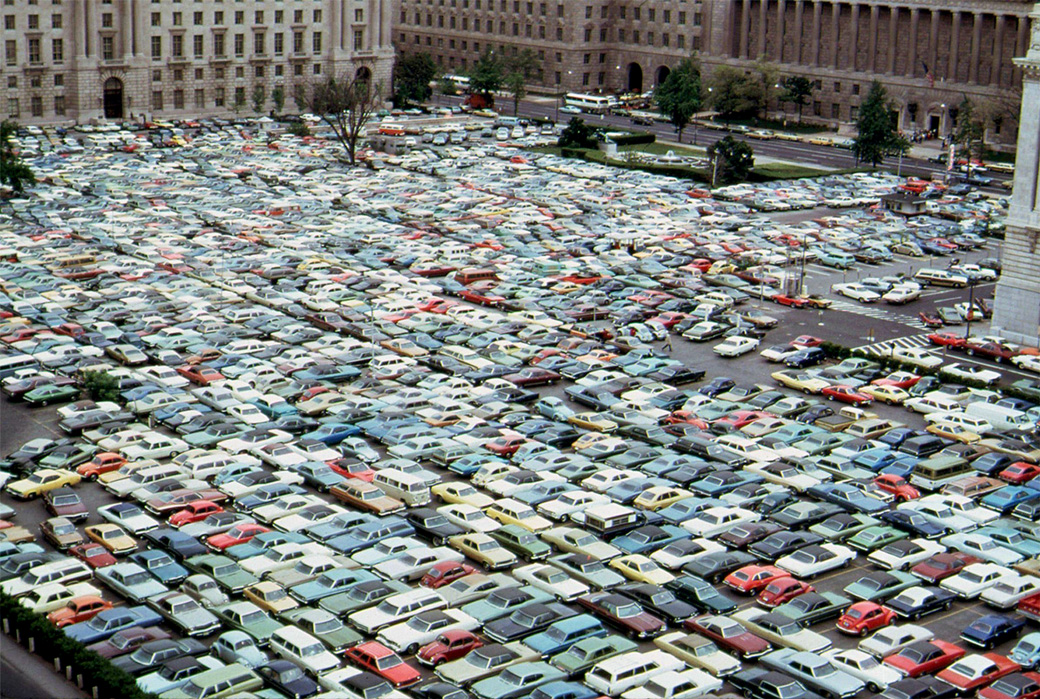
(27, 676)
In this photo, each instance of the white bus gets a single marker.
(461, 82)
(593, 104)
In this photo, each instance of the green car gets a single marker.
(516, 681)
(228, 574)
(875, 537)
(363, 594)
(522, 542)
(880, 585)
(44, 395)
(580, 657)
(841, 526)
(324, 626)
(249, 619)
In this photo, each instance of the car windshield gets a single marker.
(312, 650)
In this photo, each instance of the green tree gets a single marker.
(14, 172)
(278, 97)
(240, 99)
(734, 93)
(299, 128)
(299, 95)
(731, 160)
(679, 96)
(766, 74)
(412, 78)
(577, 134)
(877, 136)
(346, 105)
(969, 132)
(487, 76)
(519, 69)
(101, 385)
(797, 90)
(516, 83)
(259, 97)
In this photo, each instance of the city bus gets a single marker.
(461, 83)
(593, 104)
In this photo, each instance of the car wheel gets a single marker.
(971, 353)
(412, 649)
(873, 687)
(947, 605)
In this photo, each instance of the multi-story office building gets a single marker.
(77, 60)
(930, 54)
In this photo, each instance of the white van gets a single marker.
(303, 649)
(1000, 417)
(406, 487)
(65, 571)
(932, 404)
(12, 364)
(616, 675)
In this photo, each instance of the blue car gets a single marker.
(471, 463)
(261, 543)
(1013, 539)
(914, 523)
(992, 629)
(563, 690)
(1027, 651)
(685, 509)
(649, 537)
(370, 533)
(542, 492)
(562, 634)
(161, 566)
(722, 482)
(849, 497)
(266, 494)
(875, 459)
(111, 621)
(333, 432)
(329, 583)
(1008, 498)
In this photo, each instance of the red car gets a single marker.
(990, 350)
(200, 374)
(94, 555)
(1018, 685)
(846, 394)
(946, 339)
(685, 417)
(194, 512)
(943, 565)
(623, 613)
(863, 617)
(127, 641)
(445, 572)
(79, 609)
(806, 341)
(435, 305)
(898, 379)
(752, 578)
(977, 671)
(791, 301)
(238, 534)
(896, 485)
(377, 658)
(352, 468)
(450, 645)
(782, 590)
(1019, 472)
(505, 446)
(101, 463)
(924, 657)
(728, 633)
(931, 319)
(741, 418)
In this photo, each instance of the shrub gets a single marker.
(101, 385)
(632, 139)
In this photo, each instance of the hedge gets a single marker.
(51, 643)
(633, 139)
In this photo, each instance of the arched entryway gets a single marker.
(113, 98)
(661, 75)
(363, 75)
(635, 77)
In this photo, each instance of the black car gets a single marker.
(677, 375)
(526, 620)
(288, 678)
(919, 601)
(701, 594)
(180, 545)
(813, 607)
(432, 525)
(743, 535)
(145, 658)
(659, 601)
(773, 502)
(810, 356)
(439, 690)
(714, 566)
(814, 413)
(923, 687)
(768, 684)
(720, 384)
(782, 543)
(913, 522)
(89, 419)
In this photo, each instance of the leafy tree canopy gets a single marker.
(732, 160)
(877, 135)
(14, 172)
(577, 134)
(412, 77)
(679, 96)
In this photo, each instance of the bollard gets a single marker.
(32, 644)
(95, 692)
(57, 664)
(79, 681)
(7, 626)
(68, 673)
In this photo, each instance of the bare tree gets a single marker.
(346, 104)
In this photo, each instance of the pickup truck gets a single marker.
(1030, 607)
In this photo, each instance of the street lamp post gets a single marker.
(971, 307)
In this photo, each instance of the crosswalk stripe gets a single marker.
(907, 342)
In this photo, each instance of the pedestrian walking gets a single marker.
(668, 342)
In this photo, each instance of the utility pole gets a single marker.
(971, 308)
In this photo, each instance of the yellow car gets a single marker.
(660, 496)
(112, 537)
(893, 395)
(597, 355)
(639, 568)
(510, 511)
(270, 596)
(948, 430)
(588, 439)
(593, 421)
(483, 549)
(461, 494)
(42, 481)
(16, 535)
(799, 381)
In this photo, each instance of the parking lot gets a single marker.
(520, 275)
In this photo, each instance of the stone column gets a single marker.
(998, 51)
(872, 43)
(933, 44)
(76, 47)
(952, 62)
(745, 28)
(781, 7)
(1021, 46)
(854, 37)
(911, 68)
(836, 33)
(814, 57)
(893, 37)
(798, 27)
(88, 27)
(124, 29)
(763, 20)
(976, 46)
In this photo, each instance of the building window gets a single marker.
(240, 17)
(835, 111)
(34, 21)
(279, 44)
(680, 41)
(9, 22)
(156, 19)
(259, 43)
(156, 47)
(36, 105)
(34, 51)
(240, 71)
(197, 46)
(177, 47)
(316, 42)
(218, 73)
(12, 107)
(359, 39)
(200, 98)
(106, 20)
(317, 69)
(157, 76)
(107, 48)
(279, 16)
(240, 95)
(585, 79)
(58, 50)
(178, 19)
(297, 16)
(178, 75)
(178, 99)
(297, 42)
(837, 87)
(11, 52)
(240, 45)
(200, 74)
(35, 81)
(258, 17)
(218, 45)
(197, 19)
(682, 18)
(59, 80)
(218, 17)
(218, 97)
(588, 12)
(59, 105)
(855, 89)
(258, 71)
(317, 16)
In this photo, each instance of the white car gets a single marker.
(284, 506)
(46, 598)
(415, 562)
(308, 516)
(469, 518)
(782, 631)
(966, 371)
(857, 292)
(811, 561)
(904, 553)
(552, 580)
(281, 556)
(963, 506)
(901, 294)
(715, 520)
(386, 549)
(240, 489)
(864, 666)
(779, 353)
(247, 413)
(891, 639)
(678, 553)
(675, 684)
(735, 346)
(1010, 590)
(1029, 362)
(396, 608)
(973, 579)
(603, 480)
(560, 508)
(916, 356)
(128, 516)
(407, 637)
(983, 547)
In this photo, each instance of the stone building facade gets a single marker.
(930, 54)
(1017, 310)
(83, 60)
